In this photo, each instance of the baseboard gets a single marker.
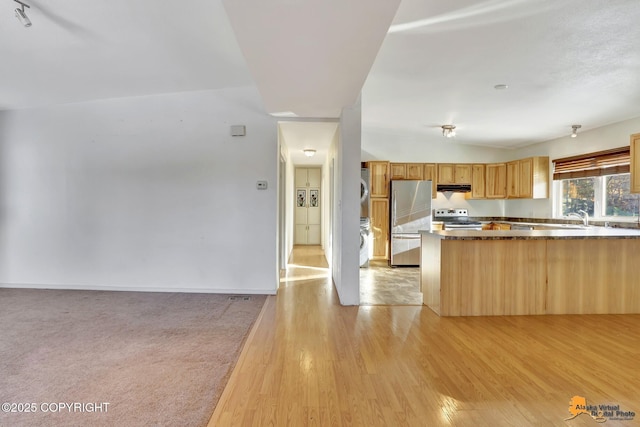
(236, 291)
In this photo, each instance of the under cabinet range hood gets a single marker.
(454, 188)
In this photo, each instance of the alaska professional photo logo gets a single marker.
(600, 413)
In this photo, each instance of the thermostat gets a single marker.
(261, 185)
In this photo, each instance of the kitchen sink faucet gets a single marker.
(583, 215)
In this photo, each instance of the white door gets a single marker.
(307, 210)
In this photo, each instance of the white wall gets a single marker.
(345, 269)
(405, 147)
(408, 147)
(148, 193)
(289, 194)
(478, 208)
(327, 220)
(401, 146)
(285, 201)
(603, 138)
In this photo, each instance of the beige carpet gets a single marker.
(156, 359)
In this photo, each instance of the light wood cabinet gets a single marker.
(414, 171)
(635, 163)
(513, 174)
(380, 228)
(478, 180)
(406, 171)
(430, 173)
(525, 178)
(380, 174)
(379, 179)
(463, 174)
(496, 181)
(449, 173)
(528, 178)
(398, 170)
(446, 174)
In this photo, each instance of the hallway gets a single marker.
(379, 283)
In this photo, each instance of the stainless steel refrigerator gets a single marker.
(410, 212)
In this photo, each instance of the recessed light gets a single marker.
(501, 87)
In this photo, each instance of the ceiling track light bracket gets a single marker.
(21, 15)
(574, 132)
(448, 131)
(23, 4)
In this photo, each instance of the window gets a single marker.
(578, 194)
(597, 183)
(605, 197)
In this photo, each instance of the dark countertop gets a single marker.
(542, 221)
(585, 233)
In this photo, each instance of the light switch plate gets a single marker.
(261, 185)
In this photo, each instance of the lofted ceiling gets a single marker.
(80, 51)
(565, 61)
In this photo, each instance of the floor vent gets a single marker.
(239, 298)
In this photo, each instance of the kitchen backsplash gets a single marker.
(475, 207)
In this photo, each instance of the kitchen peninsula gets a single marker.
(522, 272)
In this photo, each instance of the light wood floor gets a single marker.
(311, 362)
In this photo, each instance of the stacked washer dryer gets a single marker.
(365, 222)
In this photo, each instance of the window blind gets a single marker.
(608, 162)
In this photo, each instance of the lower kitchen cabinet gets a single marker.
(380, 228)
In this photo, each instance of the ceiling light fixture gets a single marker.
(575, 128)
(309, 152)
(448, 131)
(22, 17)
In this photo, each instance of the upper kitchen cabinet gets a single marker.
(449, 173)
(478, 179)
(406, 171)
(414, 171)
(379, 178)
(528, 178)
(430, 173)
(513, 175)
(496, 181)
(398, 170)
(635, 163)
